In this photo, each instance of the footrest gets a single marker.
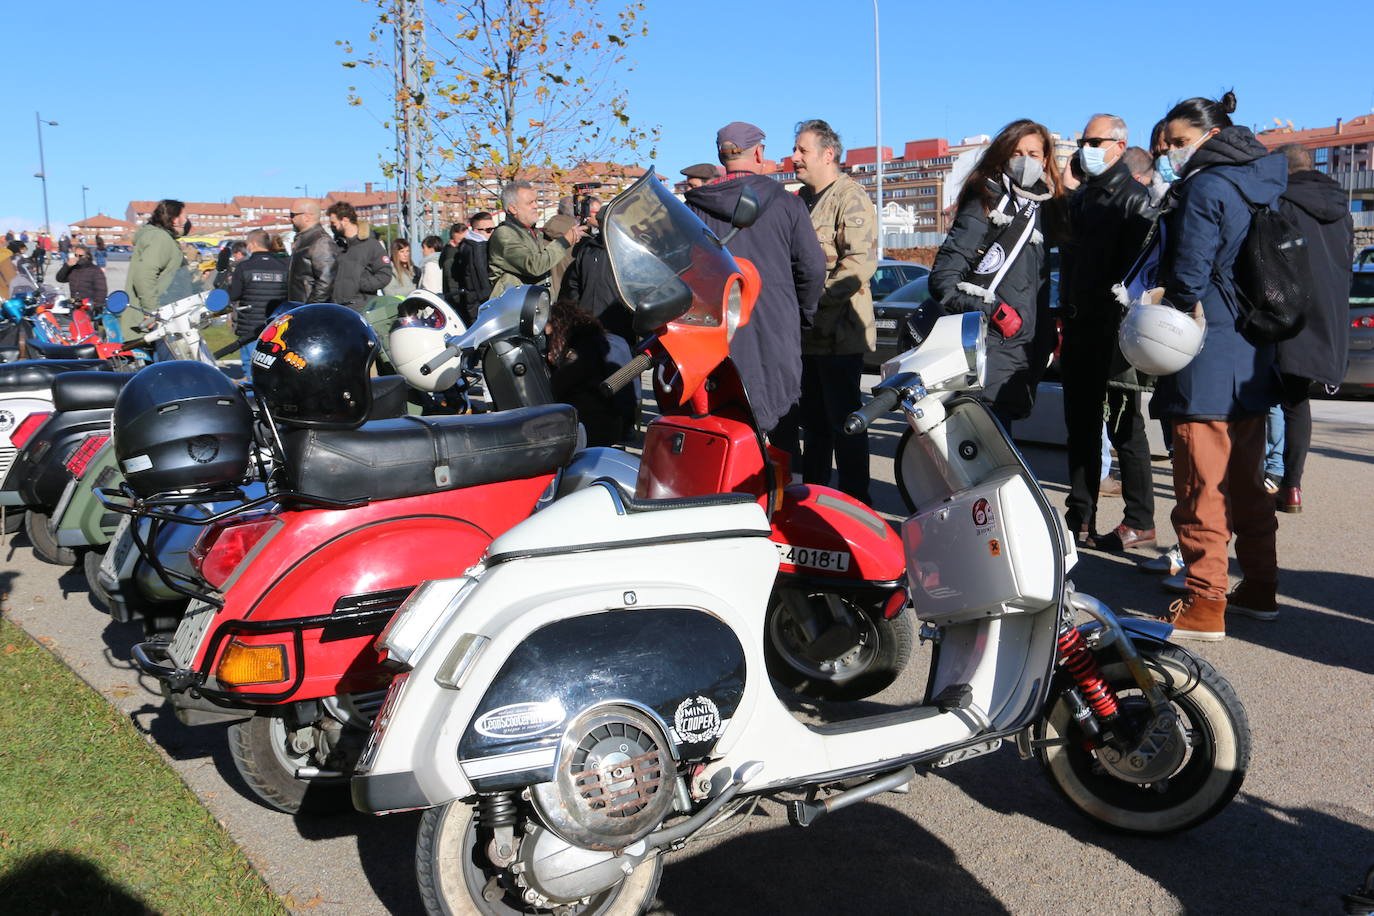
(955, 696)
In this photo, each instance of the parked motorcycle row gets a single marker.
(577, 659)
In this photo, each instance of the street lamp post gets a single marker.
(84, 189)
(304, 189)
(878, 122)
(43, 168)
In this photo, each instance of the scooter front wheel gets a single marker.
(828, 647)
(263, 753)
(456, 878)
(1206, 760)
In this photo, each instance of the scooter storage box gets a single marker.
(700, 457)
(984, 552)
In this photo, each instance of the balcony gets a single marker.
(1358, 181)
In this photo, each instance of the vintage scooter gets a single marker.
(593, 693)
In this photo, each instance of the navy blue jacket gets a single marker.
(782, 244)
(1207, 221)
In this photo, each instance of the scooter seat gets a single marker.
(63, 351)
(9, 354)
(40, 373)
(88, 390)
(412, 456)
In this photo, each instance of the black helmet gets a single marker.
(312, 366)
(181, 424)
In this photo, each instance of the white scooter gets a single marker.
(594, 693)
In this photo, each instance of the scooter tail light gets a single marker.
(27, 427)
(895, 603)
(243, 665)
(222, 546)
(81, 458)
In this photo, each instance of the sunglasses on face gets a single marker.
(1094, 142)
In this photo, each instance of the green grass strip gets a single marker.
(91, 818)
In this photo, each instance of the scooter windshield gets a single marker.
(654, 241)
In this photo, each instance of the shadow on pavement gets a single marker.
(60, 882)
(867, 859)
(386, 852)
(1249, 857)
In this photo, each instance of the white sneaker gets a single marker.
(1168, 562)
(1178, 582)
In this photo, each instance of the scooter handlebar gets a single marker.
(884, 400)
(447, 354)
(626, 374)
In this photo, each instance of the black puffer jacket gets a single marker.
(590, 283)
(1015, 364)
(782, 245)
(1109, 216)
(314, 259)
(1318, 205)
(84, 279)
(259, 286)
(362, 270)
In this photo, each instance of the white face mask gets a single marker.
(1178, 157)
(1024, 171)
(1093, 159)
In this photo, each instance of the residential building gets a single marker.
(113, 231)
(1345, 151)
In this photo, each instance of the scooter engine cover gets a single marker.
(613, 783)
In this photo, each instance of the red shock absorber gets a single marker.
(1075, 655)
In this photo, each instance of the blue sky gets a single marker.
(205, 101)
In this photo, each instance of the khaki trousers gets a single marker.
(1219, 485)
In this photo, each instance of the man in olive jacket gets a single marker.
(843, 331)
(517, 254)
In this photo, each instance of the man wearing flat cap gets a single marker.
(697, 175)
(783, 246)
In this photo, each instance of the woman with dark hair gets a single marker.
(1218, 402)
(404, 275)
(993, 261)
(156, 259)
(580, 360)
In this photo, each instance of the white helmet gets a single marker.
(1159, 339)
(423, 324)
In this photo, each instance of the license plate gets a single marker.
(191, 630)
(121, 542)
(810, 557)
(885, 324)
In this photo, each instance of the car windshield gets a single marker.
(917, 291)
(652, 238)
(1362, 288)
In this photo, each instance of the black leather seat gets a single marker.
(9, 354)
(390, 394)
(63, 351)
(87, 390)
(40, 373)
(411, 456)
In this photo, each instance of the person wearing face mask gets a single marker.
(993, 261)
(1109, 217)
(1217, 403)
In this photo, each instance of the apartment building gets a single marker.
(1344, 150)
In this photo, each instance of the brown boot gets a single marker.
(1196, 617)
(1254, 599)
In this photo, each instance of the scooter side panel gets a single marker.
(85, 517)
(823, 532)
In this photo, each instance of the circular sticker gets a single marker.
(696, 719)
(202, 449)
(992, 260)
(6, 421)
(982, 513)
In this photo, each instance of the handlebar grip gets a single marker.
(884, 399)
(447, 354)
(134, 342)
(626, 374)
(230, 348)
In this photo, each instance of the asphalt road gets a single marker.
(986, 836)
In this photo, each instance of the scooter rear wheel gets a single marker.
(44, 544)
(859, 669)
(1207, 776)
(456, 879)
(265, 759)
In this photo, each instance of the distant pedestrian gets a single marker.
(10, 261)
(699, 174)
(446, 258)
(404, 276)
(229, 257)
(517, 253)
(363, 267)
(100, 250)
(83, 278)
(257, 288)
(580, 358)
(39, 259)
(431, 276)
(1319, 207)
(994, 261)
(470, 269)
(843, 331)
(314, 256)
(157, 260)
(782, 245)
(64, 246)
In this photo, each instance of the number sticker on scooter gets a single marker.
(828, 560)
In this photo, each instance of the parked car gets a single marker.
(119, 252)
(1365, 258)
(1359, 371)
(893, 275)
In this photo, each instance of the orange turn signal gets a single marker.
(242, 665)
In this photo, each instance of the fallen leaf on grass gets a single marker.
(11, 648)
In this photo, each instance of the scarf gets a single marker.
(1012, 221)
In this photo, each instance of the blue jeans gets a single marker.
(1106, 453)
(1273, 449)
(246, 357)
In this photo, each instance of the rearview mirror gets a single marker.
(670, 300)
(116, 302)
(217, 301)
(746, 211)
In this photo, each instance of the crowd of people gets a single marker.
(1125, 220)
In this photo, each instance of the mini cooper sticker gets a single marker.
(6, 421)
(697, 719)
(521, 720)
